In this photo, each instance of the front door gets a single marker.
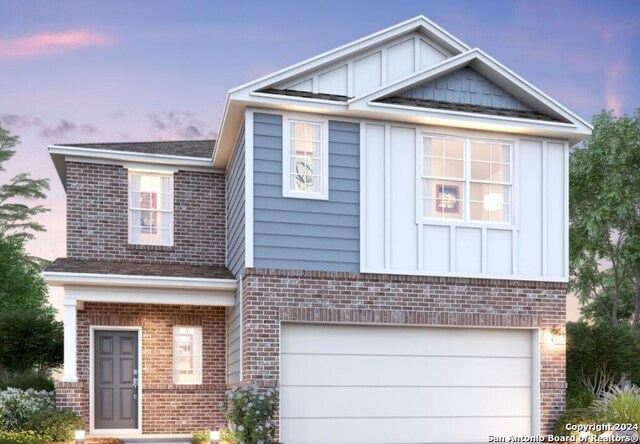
(116, 380)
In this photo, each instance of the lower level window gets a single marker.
(187, 355)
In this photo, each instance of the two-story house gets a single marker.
(380, 231)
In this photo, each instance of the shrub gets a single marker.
(60, 425)
(34, 381)
(621, 405)
(226, 435)
(250, 414)
(201, 436)
(18, 406)
(576, 416)
(23, 437)
(30, 341)
(579, 397)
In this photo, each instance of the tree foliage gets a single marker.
(30, 341)
(600, 355)
(22, 288)
(16, 217)
(604, 206)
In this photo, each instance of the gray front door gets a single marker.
(116, 380)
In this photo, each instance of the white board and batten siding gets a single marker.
(373, 69)
(397, 239)
(430, 385)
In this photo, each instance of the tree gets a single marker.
(15, 215)
(29, 341)
(604, 212)
(22, 288)
(600, 355)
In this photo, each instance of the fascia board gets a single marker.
(129, 156)
(482, 122)
(529, 88)
(58, 279)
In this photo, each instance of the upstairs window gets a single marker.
(150, 209)
(305, 159)
(467, 179)
(187, 355)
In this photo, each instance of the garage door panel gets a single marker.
(300, 369)
(403, 402)
(345, 339)
(401, 430)
(370, 384)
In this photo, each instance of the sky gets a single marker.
(111, 71)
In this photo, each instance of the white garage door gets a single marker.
(363, 384)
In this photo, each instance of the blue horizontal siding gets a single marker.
(236, 209)
(306, 234)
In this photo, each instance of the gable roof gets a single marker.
(287, 90)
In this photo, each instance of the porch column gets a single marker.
(69, 317)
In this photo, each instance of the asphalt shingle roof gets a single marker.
(306, 94)
(188, 148)
(477, 109)
(68, 265)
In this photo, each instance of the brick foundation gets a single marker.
(166, 408)
(274, 296)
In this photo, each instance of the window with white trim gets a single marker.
(305, 159)
(150, 209)
(187, 355)
(467, 179)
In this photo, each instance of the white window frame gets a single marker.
(196, 352)
(323, 194)
(131, 209)
(466, 220)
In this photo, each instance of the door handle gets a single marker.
(135, 383)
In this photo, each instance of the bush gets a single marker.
(226, 435)
(579, 397)
(30, 342)
(34, 381)
(18, 406)
(621, 405)
(60, 425)
(250, 414)
(576, 416)
(600, 355)
(23, 437)
(201, 435)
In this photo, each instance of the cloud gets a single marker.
(66, 128)
(612, 80)
(62, 130)
(14, 121)
(179, 125)
(45, 44)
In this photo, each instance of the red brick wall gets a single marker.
(97, 217)
(167, 408)
(274, 296)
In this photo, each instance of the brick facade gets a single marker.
(97, 217)
(166, 407)
(274, 296)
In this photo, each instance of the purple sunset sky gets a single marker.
(98, 71)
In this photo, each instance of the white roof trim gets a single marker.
(129, 156)
(61, 279)
(463, 60)
(357, 45)
(326, 58)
